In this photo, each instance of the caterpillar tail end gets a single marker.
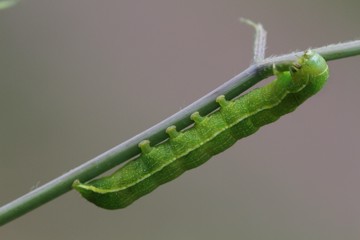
(78, 186)
(76, 183)
(100, 197)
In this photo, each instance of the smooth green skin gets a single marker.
(210, 135)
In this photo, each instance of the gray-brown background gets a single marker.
(78, 77)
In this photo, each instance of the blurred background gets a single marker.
(79, 77)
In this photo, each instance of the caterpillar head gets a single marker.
(310, 69)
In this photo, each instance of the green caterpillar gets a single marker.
(210, 135)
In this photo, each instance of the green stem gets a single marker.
(156, 134)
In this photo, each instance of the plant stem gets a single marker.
(156, 134)
(260, 40)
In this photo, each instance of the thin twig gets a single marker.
(260, 40)
(156, 134)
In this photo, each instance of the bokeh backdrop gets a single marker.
(79, 77)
